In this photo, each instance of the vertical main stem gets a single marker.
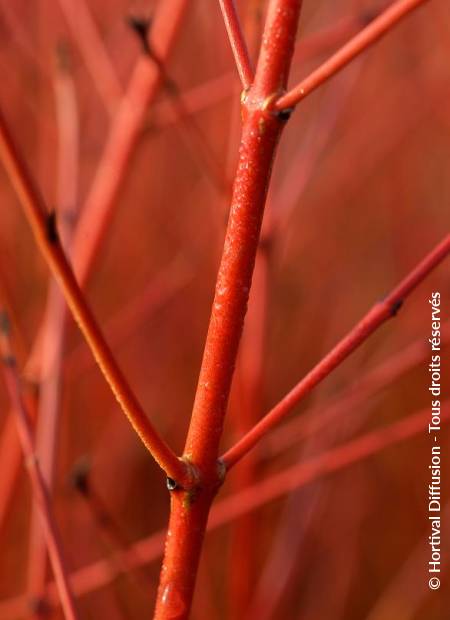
(184, 539)
(260, 135)
(261, 130)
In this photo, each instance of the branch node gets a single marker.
(395, 307)
(268, 102)
(285, 114)
(244, 95)
(141, 27)
(221, 470)
(172, 484)
(52, 229)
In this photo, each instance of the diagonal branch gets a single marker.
(359, 43)
(377, 315)
(350, 399)
(237, 42)
(38, 484)
(46, 236)
(332, 460)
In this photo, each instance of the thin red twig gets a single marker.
(369, 35)
(101, 200)
(46, 236)
(214, 90)
(350, 399)
(127, 321)
(377, 315)
(40, 490)
(302, 473)
(143, 87)
(238, 45)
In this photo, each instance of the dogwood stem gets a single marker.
(262, 127)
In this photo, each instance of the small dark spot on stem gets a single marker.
(284, 115)
(141, 27)
(52, 230)
(395, 307)
(172, 484)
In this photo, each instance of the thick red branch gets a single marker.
(260, 134)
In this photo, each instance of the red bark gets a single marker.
(260, 134)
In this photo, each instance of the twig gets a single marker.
(351, 398)
(376, 316)
(48, 243)
(40, 490)
(237, 42)
(369, 35)
(144, 85)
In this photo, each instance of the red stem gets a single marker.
(52, 252)
(99, 205)
(246, 409)
(214, 90)
(369, 35)
(377, 315)
(260, 134)
(349, 400)
(332, 460)
(238, 45)
(143, 87)
(40, 490)
(127, 321)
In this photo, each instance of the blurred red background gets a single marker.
(359, 195)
